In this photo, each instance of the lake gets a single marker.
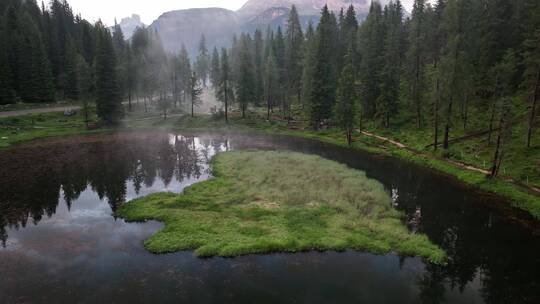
(60, 241)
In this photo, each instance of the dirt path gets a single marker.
(465, 166)
(41, 110)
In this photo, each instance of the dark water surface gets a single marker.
(62, 244)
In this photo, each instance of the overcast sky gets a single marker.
(149, 10)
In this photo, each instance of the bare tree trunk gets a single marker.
(268, 108)
(436, 115)
(536, 92)
(465, 111)
(349, 136)
(129, 99)
(446, 144)
(416, 94)
(491, 119)
(497, 157)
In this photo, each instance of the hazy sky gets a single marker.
(149, 10)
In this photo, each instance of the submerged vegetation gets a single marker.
(260, 202)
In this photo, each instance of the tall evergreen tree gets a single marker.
(390, 75)
(347, 98)
(293, 58)
(531, 55)
(215, 67)
(245, 84)
(279, 51)
(372, 43)
(271, 83)
(416, 58)
(225, 91)
(258, 65)
(323, 82)
(195, 92)
(108, 101)
(348, 34)
(308, 64)
(203, 61)
(7, 94)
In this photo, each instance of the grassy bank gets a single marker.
(33, 126)
(518, 197)
(263, 202)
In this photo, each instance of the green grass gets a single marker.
(262, 202)
(516, 156)
(33, 126)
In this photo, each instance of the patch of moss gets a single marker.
(261, 202)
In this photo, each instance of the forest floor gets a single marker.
(252, 205)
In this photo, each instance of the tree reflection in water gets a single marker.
(34, 178)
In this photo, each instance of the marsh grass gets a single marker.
(261, 202)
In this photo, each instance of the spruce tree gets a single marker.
(323, 84)
(225, 90)
(258, 65)
(214, 70)
(245, 84)
(271, 83)
(387, 102)
(108, 100)
(531, 55)
(308, 62)
(185, 72)
(348, 36)
(195, 92)
(7, 94)
(416, 58)
(279, 51)
(372, 43)
(85, 81)
(347, 98)
(203, 61)
(293, 58)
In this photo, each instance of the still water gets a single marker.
(60, 241)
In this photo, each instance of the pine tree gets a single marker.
(215, 67)
(387, 102)
(531, 54)
(225, 91)
(348, 36)
(371, 42)
(71, 85)
(184, 69)
(7, 94)
(108, 102)
(195, 92)
(279, 51)
(120, 49)
(308, 63)
(293, 59)
(323, 84)
(452, 69)
(271, 83)
(416, 58)
(347, 98)
(202, 65)
(258, 66)
(85, 80)
(245, 84)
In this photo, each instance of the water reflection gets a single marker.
(36, 178)
(70, 189)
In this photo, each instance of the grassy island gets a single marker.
(261, 202)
